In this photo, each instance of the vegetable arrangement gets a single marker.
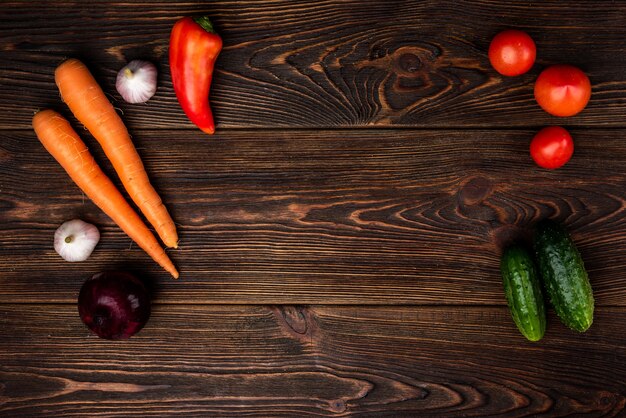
(82, 94)
(558, 266)
(560, 90)
(116, 305)
(194, 47)
(87, 101)
(64, 144)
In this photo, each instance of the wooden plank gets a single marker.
(310, 361)
(324, 64)
(338, 217)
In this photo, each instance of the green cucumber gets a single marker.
(564, 275)
(523, 292)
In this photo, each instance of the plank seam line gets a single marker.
(330, 305)
(253, 129)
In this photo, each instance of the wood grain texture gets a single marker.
(347, 217)
(325, 271)
(324, 64)
(310, 361)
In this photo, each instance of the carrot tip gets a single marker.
(170, 244)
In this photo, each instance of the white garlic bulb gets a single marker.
(75, 240)
(137, 81)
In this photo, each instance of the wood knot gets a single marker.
(608, 399)
(409, 62)
(297, 321)
(337, 406)
(471, 200)
(415, 61)
(294, 318)
(475, 191)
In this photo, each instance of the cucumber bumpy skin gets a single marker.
(564, 276)
(523, 292)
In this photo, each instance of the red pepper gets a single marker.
(194, 47)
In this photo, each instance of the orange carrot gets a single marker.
(80, 91)
(63, 143)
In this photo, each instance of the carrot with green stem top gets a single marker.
(80, 91)
(64, 144)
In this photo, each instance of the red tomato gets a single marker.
(562, 90)
(552, 147)
(512, 52)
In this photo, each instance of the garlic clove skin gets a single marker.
(137, 81)
(75, 240)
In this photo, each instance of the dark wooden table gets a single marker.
(340, 233)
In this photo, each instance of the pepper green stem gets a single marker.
(205, 23)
